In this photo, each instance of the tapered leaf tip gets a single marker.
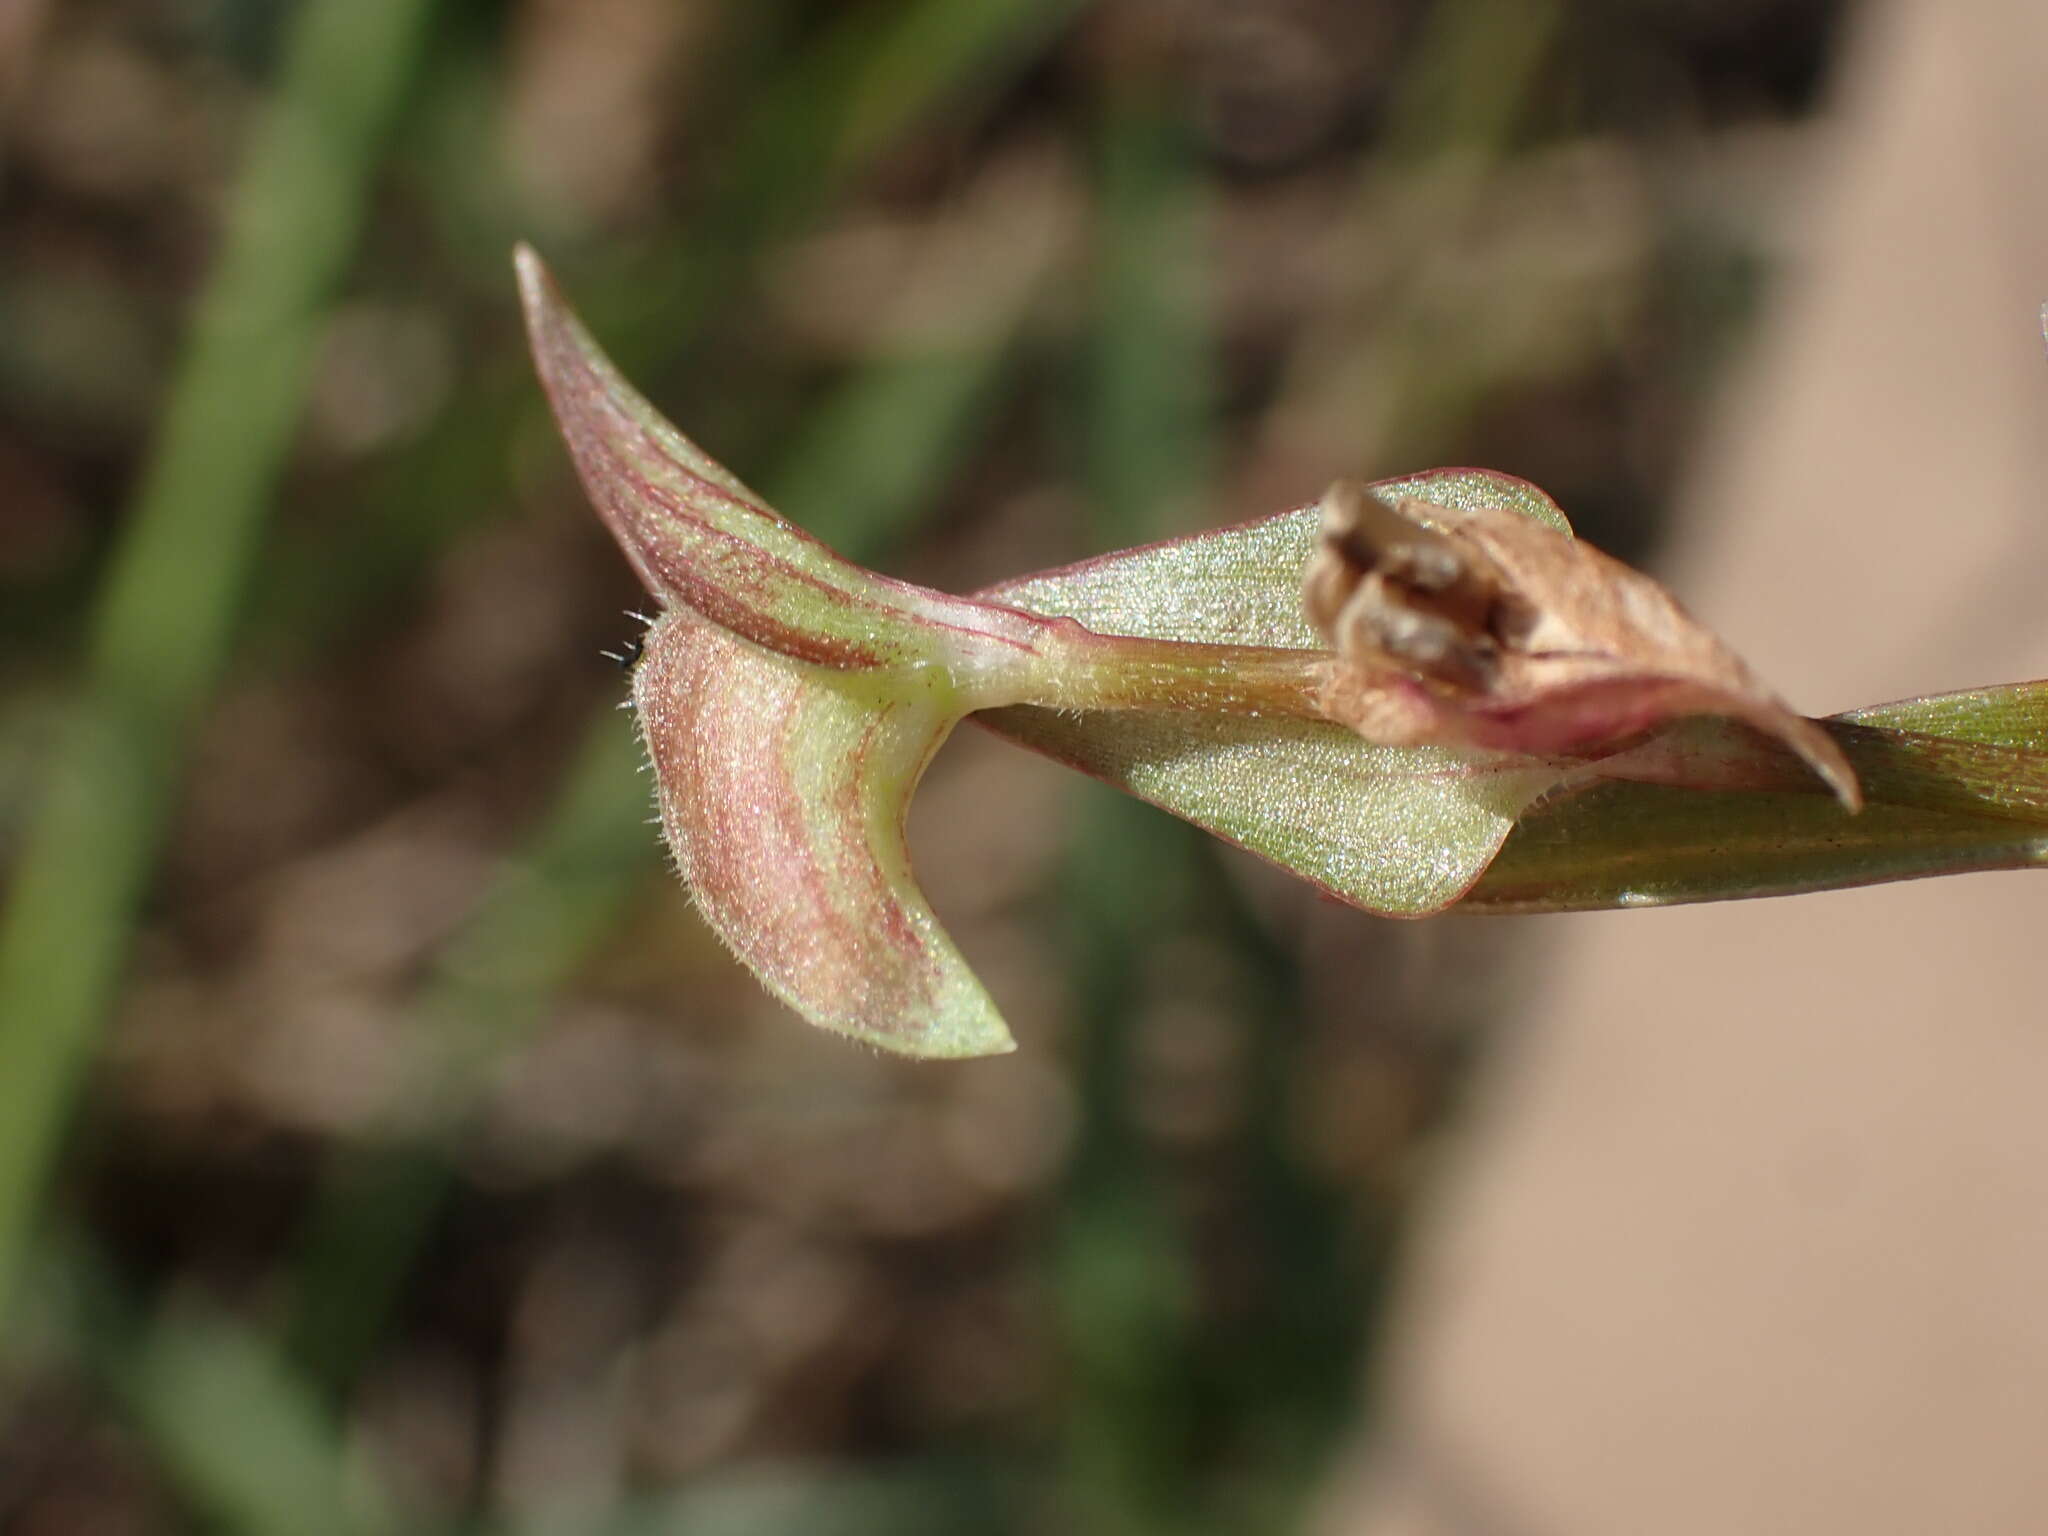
(534, 277)
(553, 332)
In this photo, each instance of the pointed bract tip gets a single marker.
(540, 299)
(528, 266)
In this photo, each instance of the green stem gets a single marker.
(1080, 669)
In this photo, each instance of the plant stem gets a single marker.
(1087, 670)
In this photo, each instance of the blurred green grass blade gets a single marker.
(869, 458)
(938, 48)
(1297, 1351)
(1152, 373)
(244, 1439)
(541, 917)
(244, 1443)
(874, 74)
(795, 140)
(1122, 1273)
(1404, 357)
(862, 474)
(1468, 90)
(819, 121)
(1123, 1278)
(170, 599)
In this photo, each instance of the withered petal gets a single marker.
(1478, 626)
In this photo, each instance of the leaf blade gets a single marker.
(1399, 831)
(1957, 783)
(1643, 845)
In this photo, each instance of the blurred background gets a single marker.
(384, 1145)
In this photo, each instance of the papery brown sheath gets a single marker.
(1480, 627)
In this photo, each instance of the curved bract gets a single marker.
(783, 790)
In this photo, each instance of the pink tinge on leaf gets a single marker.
(783, 790)
(701, 540)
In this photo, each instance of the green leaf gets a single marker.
(1646, 845)
(1402, 831)
(1957, 782)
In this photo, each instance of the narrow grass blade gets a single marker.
(246, 1440)
(171, 597)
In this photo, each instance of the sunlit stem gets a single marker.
(1074, 668)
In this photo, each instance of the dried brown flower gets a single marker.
(1480, 627)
